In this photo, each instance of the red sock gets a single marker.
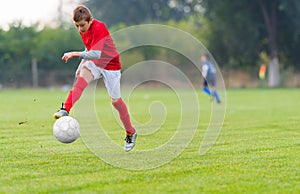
(124, 116)
(75, 93)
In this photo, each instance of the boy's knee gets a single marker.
(114, 100)
(86, 74)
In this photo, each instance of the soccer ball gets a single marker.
(66, 129)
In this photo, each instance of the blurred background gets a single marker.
(243, 36)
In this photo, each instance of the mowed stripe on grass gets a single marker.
(256, 152)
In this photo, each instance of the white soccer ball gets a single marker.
(66, 129)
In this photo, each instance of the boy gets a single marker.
(209, 75)
(99, 59)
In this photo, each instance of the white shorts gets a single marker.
(111, 78)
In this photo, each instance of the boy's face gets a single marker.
(203, 58)
(83, 25)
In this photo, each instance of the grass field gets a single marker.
(256, 152)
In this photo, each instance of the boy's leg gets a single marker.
(81, 83)
(124, 115)
(206, 90)
(75, 93)
(205, 87)
(112, 83)
(125, 118)
(216, 95)
(85, 77)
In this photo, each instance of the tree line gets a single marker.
(240, 34)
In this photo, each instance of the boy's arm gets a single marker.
(90, 55)
(86, 55)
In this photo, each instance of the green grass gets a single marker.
(256, 152)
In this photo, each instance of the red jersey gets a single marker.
(98, 38)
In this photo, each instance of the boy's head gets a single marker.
(82, 18)
(204, 57)
(81, 12)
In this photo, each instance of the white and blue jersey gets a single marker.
(209, 72)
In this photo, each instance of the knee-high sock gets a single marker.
(75, 93)
(124, 115)
(215, 93)
(206, 90)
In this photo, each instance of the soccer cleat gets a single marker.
(61, 112)
(130, 142)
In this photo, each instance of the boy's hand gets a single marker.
(67, 56)
(70, 55)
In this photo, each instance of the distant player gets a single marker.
(209, 75)
(99, 59)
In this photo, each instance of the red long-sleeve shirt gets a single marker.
(98, 38)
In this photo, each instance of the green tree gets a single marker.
(18, 47)
(242, 29)
(140, 11)
(53, 42)
(26, 48)
(289, 33)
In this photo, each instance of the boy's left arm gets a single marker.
(90, 55)
(86, 55)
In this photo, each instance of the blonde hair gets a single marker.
(81, 12)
